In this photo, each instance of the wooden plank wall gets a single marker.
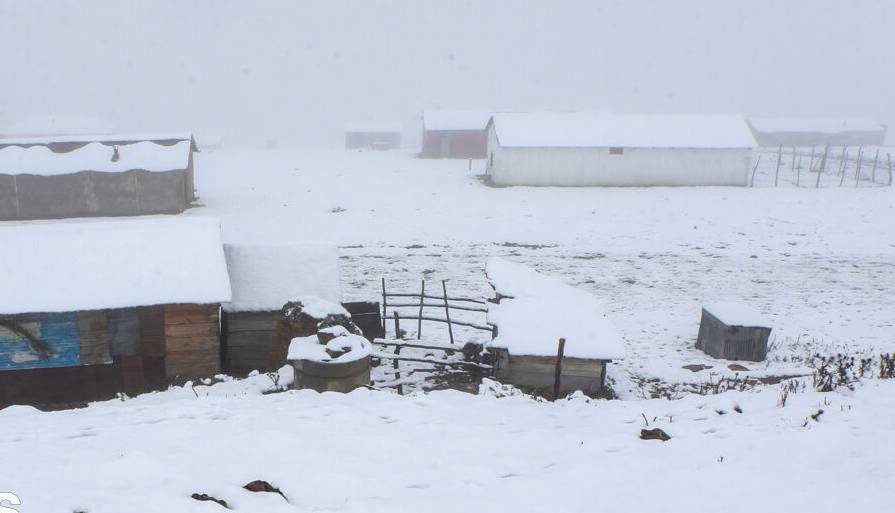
(192, 341)
(250, 342)
(130, 350)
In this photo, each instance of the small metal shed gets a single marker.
(733, 332)
(96, 176)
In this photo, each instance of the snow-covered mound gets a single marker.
(348, 347)
(537, 310)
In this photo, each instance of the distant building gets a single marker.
(577, 149)
(96, 176)
(373, 136)
(99, 307)
(455, 134)
(774, 132)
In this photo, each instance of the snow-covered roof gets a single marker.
(91, 265)
(737, 314)
(815, 125)
(588, 130)
(537, 310)
(265, 277)
(105, 138)
(41, 160)
(383, 127)
(455, 119)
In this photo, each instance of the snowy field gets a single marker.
(819, 262)
(449, 451)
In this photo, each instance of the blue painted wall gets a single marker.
(58, 331)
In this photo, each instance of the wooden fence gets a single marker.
(850, 164)
(423, 303)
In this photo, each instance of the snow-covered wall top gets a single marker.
(265, 277)
(587, 130)
(455, 119)
(815, 125)
(537, 310)
(737, 314)
(78, 265)
(41, 160)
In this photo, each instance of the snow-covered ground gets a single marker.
(818, 262)
(449, 451)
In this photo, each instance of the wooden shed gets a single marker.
(96, 176)
(373, 136)
(775, 132)
(733, 331)
(95, 308)
(532, 313)
(578, 149)
(458, 134)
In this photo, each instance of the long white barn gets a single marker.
(578, 149)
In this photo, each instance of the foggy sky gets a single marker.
(298, 71)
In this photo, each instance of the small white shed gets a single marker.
(583, 149)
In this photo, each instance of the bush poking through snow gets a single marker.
(887, 366)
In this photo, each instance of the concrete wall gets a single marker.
(634, 167)
(92, 194)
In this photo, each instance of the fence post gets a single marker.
(447, 311)
(557, 378)
(793, 160)
(754, 169)
(397, 353)
(811, 162)
(858, 166)
(823, 164)
(798, 170)
(843, 159)
(873, 172)
(384, 306)
(889, 159)
(419, 325)
(842, 171)
(777, 171)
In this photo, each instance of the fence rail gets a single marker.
(850, 163)
(422, 305)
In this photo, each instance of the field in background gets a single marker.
(818, 262)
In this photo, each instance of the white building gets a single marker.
(578, 149)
